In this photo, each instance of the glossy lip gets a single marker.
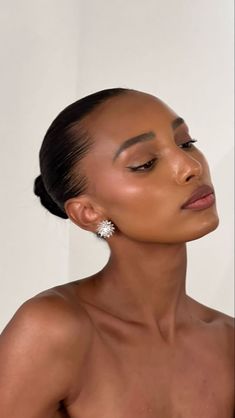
(203, 203)
(200, 192)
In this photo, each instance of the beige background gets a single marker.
(55, 51)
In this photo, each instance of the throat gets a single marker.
(149, 288)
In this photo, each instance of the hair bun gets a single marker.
(45, 198)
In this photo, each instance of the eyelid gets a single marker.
(190, 141)
(138, 168)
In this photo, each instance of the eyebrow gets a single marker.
(146, 136)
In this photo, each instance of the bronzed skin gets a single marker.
(127, 341)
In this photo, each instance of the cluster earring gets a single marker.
(105, 228)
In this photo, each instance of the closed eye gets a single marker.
(151, 163)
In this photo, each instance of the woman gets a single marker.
(127, 341)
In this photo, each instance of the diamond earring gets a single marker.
(105, 228)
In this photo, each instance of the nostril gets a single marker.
(189, 177)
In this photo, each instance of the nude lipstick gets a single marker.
(202, 198)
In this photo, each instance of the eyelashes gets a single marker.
(144, 167)
(188, 143)
(151, 163)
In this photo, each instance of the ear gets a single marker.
(84, 212)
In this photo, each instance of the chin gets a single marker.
(205, 228)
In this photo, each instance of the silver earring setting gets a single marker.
(105, 228)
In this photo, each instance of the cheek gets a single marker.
(137, 202)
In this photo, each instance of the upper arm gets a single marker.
(37, 350)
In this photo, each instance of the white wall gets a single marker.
(54, 51)
(38, 78)
(181, 51)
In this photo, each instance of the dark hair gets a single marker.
(62, 149)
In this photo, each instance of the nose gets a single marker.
(186, 167)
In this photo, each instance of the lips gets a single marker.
(200, 192)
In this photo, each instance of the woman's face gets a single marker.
(145, 204)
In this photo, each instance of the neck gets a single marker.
(145, 282)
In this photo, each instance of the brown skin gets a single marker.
(127, 341)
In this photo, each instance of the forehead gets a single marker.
(129, 114)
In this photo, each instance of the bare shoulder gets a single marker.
(210, 314)
(45, 341)
(221, 324)
(50, 316)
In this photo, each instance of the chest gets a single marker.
(145, 380)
